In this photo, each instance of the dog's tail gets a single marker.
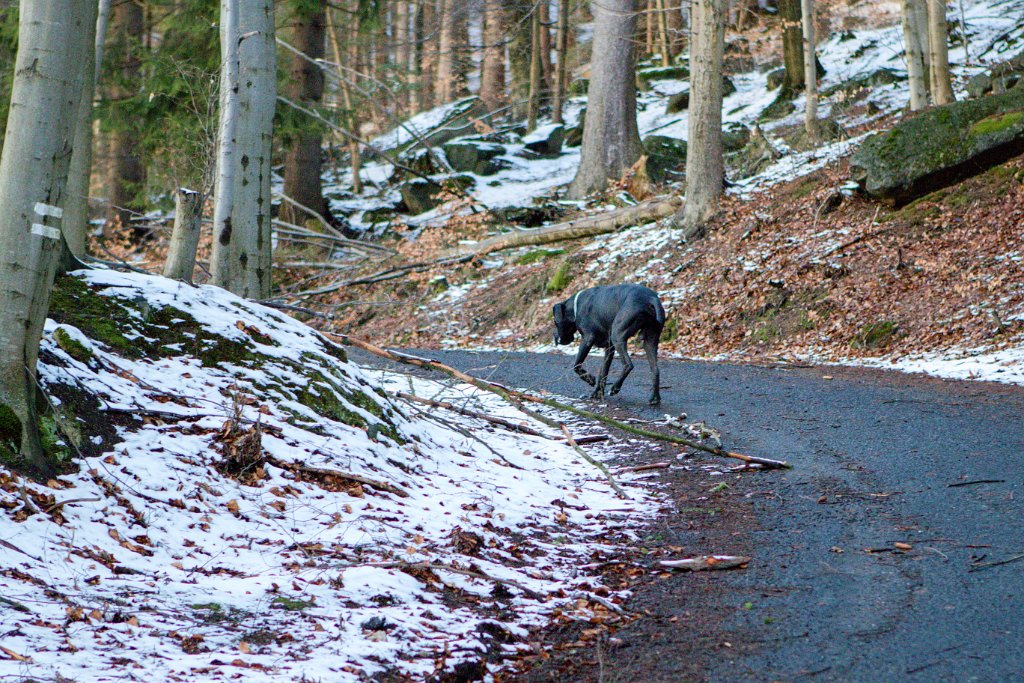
(658, 311)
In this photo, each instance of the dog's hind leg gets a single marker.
(651, 349)
(602, 378)
(581, 356)
(620, 346)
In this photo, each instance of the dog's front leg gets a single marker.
(602, 376)
(581, 356)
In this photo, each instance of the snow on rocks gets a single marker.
(159, 566)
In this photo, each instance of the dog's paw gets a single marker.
(589, 379)
(614, 390)
(598, 395)
(655, 401)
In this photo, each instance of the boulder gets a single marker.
(755, 156)
(646, 76)
(469, 155)
(940, 146)
(998, 79)
(775, 78)
(420, 194)
(871, 81)
(574, 136)
(546, 140)
(781, 107)
(735, 137)
(666, 158)
(678, 102)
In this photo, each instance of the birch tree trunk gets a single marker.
(916, 72)
(810, 73)
(704, 163)
(227, 152)
(181, 253)
(611, 142)
(241, 260)
(53, 41)
(76, 206)
(938, 38)
(492, 68)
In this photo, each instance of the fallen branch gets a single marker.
(500, 421)
(978, 566)
(696, 564)
(69, 502)
(588, 226)
(517, 398)
(383, 275)
(319, 472)
(599, 465)
(644, 468)
(437, 566)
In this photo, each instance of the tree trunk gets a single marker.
(810, 73)
(792, 46)
(663, 39)
(519, 53)
(492, 68)
(402, 52)
(916, 71)
(533, 110)
(227, 145)
(306, 86)
(188, 222)
(241, 260)
(611, 142)
(349, 119)
(76, 206)
(561, 70)
(938, 38)
(53, 41)
(704, 163)
(444, 85)
(427, 45)
(546, 65)
(649, 23)
(676, 28)
(127, 172)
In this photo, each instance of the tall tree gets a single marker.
(704, 163)
(492, 67)
(536, 71)
(611, 141)
(402, 52)
(792, 46)
(306, 86)
(810, 72)
(127, 177)
(76, 208)
(561, 66)
(938, 38)
(227, 145)
(914, 15)
(242, 250)
(520, 51)
(444, 83)
(54, 38)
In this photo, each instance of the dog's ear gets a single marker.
(558, 310)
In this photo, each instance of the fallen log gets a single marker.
(588, 226)
(517, 398)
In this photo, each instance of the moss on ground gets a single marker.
(560, 279)
(875, 335)
(535, 255)
(70, 346)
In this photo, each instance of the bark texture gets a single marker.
(611, 142)
(792, 45)
(302, 165)
(227, 148)
(561, 70)
(704, 163)
(54, 38)
(810, 72)
(181, 253)
(241, 255)
(917, 74)
(492, 68)
(938, 38)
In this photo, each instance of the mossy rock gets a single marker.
(475, 156)
(647, 75)
(776, 77)
(735, 137)
(536, 255)
(757, 155)
(781, 107)
(678, 103)
(876, 335)
(666, 158)
(574, 136)
(420, 194)
(940, 146)
(560, 279)
(10, 434)
(545, 141)
(872, 81)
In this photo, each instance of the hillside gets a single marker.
(239, 499)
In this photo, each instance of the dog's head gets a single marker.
(565, 325)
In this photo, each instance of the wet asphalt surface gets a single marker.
(874, 458)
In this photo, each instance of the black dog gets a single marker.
(607, 317)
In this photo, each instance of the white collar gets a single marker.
(575, 303)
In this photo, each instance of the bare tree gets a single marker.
(54, 38)
(242, 251)
(227, 146)
(492, 68)
(704, 162)
(611, 141)
(810, 72)
(914, 14)
(938, 38)
(561, 70)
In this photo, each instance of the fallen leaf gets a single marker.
(902, 546)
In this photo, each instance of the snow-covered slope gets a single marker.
(319, 552)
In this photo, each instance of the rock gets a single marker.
(781, 107)
(574, 136)
(735, 136)
(644, 77)
(678, 102)
(475, 156)
(1000, 78)
(829, 130)
(871, 81)
(421, 161)
(546, 140)
(979, 85)
(666, 158)
(775, 78)
(940, 146)
(420, 195)
(728, 87)
(756, 156)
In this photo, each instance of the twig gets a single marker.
(599, 465)
(15, 605)
(319, 472)
(976, 481)
(859, 238)
(383, 275)
(985, 565)
(508, 424)
(601, 601)
(69, 502)
(644, 468)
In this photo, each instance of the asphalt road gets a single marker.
(878, 458)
